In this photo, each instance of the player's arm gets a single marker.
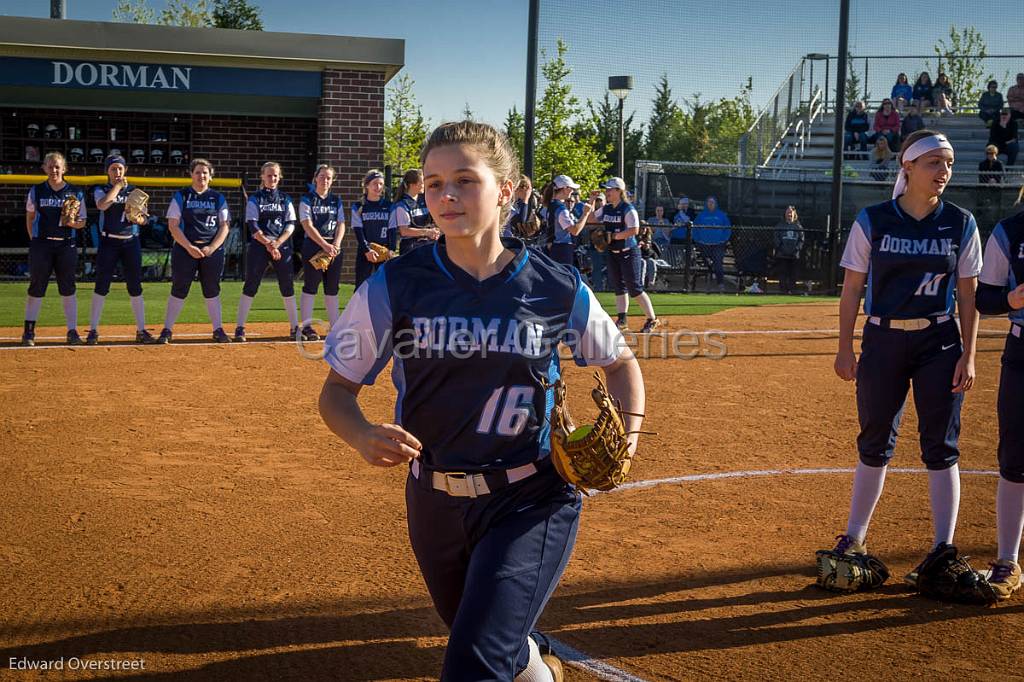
(289, 226)
(578, 226)
(626, 385)
(967, 289)
(849, 305)
(252, 221)
(224, 220)
(109, 198)
(383, 445)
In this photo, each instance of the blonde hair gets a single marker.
(200, 162)
(271, 164)
(55, 156)
(992, 149)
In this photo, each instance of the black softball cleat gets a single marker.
(165, 337)
(240, 334)
(92, 338)
(144, 337)
(220, 336)
(309, 334)
(73, 338)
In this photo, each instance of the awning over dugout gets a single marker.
(104, 65)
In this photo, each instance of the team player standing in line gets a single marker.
(562, 224)
(1001, 292)
(622, 224)
(52, 246)
(119, 242)
(322, 215)
(270, 217)
(912, 252)
(198, 221)
(474, 323)
(370, 218)
(409, 216)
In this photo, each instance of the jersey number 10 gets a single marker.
(930, 284)
(514, 414)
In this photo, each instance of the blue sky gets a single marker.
(474, 51)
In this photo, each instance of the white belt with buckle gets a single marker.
(460, 484)
(117, 236)
(1016, 330)
(59, 239)
(913, 325)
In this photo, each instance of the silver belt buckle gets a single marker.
(460, 484)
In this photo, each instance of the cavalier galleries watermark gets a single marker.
(76, 663)
(464, 338)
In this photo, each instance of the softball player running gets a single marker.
(473, 323)
(1002, 292)
(52, 246)
(913, 253)
(323, 220)
(270, 217)
(409, 216)
(198, 221)
(119, 243)
(622, 224)
(370, 218)
(563, 225)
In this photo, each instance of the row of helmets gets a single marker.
(97, 155)
(52, 132)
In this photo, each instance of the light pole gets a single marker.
(620, 87)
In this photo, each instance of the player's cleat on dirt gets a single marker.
(620, 321)
(28, 339)
(1005, 578)
(144, 337)
(547, 655)
(293, 333)
(220, 336)
(165, 336)
(239, 334)
(847, 544)
(92, 338)
(73, 338)
(309, 334)
(650, 325)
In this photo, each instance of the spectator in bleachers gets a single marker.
(990, 104)
(682, 220)
(1015, 98)
(1003, 135)
(711, 233)
(912, 122)
(943, 95)
(990, 171)
(650, 252)
(881, 159)
(789, 240)
(923, 91)
(901, 93)
(887, 124)
(660, 226)
(856, 128)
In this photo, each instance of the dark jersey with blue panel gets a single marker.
(1004, 259)
(324, 212)
(370, 221)
(47, 204)
(270, 211)
(558, 217)
(614, 219)
(112, 219)
(200, 213)
(472, 360)
(912, 265)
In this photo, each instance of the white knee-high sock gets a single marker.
(868, 482)
(244, 305)
(332, 309)
(944, 490)
(213, 310)
(293, 314)
(1009, 518)
(622, 303)
(139, 310)
(32, 306)
(536, 670)
(306, 303)
(644, 301)
(70, 311)
(174, 306)
(96, 311)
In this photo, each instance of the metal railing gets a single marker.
(776, 118)
(795, 141)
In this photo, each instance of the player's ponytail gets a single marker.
(411, 177)
(548, 193)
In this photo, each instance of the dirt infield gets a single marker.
(184, 508)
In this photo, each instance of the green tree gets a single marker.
(405, 131)
(237, 14)
(664, 115)
(602, 124)
(962, 58)
(854, 84)
(176, 13)
(559, 146)
(515, 130)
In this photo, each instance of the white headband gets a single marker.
(919, 148)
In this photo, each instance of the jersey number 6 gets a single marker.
(515, 412)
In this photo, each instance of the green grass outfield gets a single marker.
(267, 306)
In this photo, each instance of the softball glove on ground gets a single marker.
(947, 576)
(321, 260)
(69, 211)
(849, 572)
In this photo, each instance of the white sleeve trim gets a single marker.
(996, 268)
(857, 254)
(969, 262)
(305, 213)
(352, 348)
(632, 219)
(174, 210)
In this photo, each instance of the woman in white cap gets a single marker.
(913, 253)
(561, 224)
(622, 224)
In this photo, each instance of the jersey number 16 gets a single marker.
(514, 414)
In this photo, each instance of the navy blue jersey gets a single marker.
(112, 220)
(559, 222)
(471, 359)
(47, 204)
(200, 213)
(1004, 258)
(617, 219)
(324, 212)
(408, 212)
(269, 211)
(424, 213)
(912, 265)
(370, 220)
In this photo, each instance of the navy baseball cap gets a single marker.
(112, 159)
